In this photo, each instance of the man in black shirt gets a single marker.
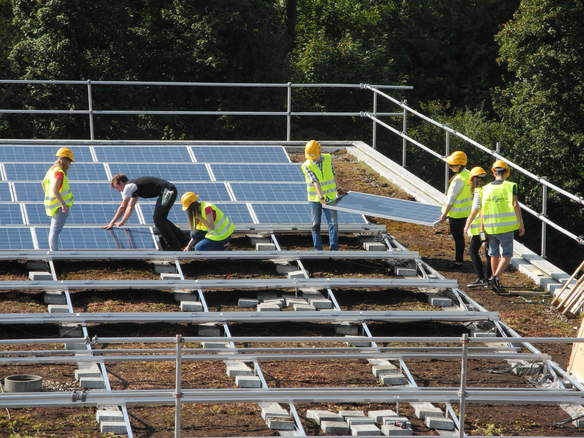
(148, 187)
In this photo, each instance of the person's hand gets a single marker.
(521, 230)
(441, 219)
(108, 226)
(466, 228)
(119, 224)
(64, 208)
(186, 248)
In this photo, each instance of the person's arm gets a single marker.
(517, 209)
(189, 245)
(470, 219)
(119, 212)
(127, 212)
(208, 220)
(454, 190)
(56, 192)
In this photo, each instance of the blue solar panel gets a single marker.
(143, 154)
(5, 192)
(88, 214)
(170, 172)
(297, 214)
(269, 192)
(15, 238)
(10, 214)
(237, 213)
(240, 154)
(37, 171)
(257, 172)
(96, 238)
(83, 192)
(22, 153)
(210, 192)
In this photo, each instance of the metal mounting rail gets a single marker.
(285, 395)
(207, 255)
(275, 283)
(243, 317)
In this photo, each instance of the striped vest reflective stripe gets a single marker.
(326, 179)
(51, 202)
(475, 226)
(497, 208)
(223, 228)
(463, 202)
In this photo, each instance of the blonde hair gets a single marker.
(193, 212)
(63, 163)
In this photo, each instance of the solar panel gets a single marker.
(388, 208)
(37, 171)
(10, 214)
(5, 192)
(15, 238)
(170, 172)
(296, 214)
(96, 238)
(237, 213)
(240, 154)
(88, 214)
(269, 192)
(210, 192)
(143, 154)
(83, 191)
(23, 153)
(257, 172)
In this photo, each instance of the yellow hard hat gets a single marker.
(187, 199)
(477, 171)
(457, 158)
(65, 153)
(312, 150)
(500, 164)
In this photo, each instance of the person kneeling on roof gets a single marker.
(211, 228)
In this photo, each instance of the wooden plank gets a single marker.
(559, 296)
(574, 308)
(571, 294)
(576, 363)
(573, 298)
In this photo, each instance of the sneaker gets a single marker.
(479, 282)
(496, 285)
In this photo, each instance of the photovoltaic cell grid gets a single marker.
(10, 214)
(79, 214)
(297, 214)
(170, 172)
(22, 153)
(141, 154)
(237, 213)
(83, 191)
(91, 238)
(257, 172)
(15, 238)
(210, 192)
(37, 171)
(269, 192)
(240, 154)
(5, 192)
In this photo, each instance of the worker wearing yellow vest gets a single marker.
(58, 195)
(501, 216)
(321, 187)
(458, 202)
(474, 227)
(212, 229)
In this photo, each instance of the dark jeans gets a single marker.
(483, 272)
(202, 244)
(333, 226)
(457, 231)
(173, 236)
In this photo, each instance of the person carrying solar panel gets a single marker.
(58, 195)
(211, 228)
(148, 187)
(321, 187)
(458, 203)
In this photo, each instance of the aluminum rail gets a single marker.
(275, 283)
(245, 317)
(206, 255)
(285, 395)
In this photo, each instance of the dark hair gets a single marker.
(192, 212)
(119, 178)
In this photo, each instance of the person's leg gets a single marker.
(496, 260)
(333, 228)
(457, 231)
(473, 249)
(211, 245)
(316, 215)
(506, 240)
(488, 270)
(57, 224)
(168, 230)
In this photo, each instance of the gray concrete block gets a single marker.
(91, 371)
(191, 306)
(396, 420)
(237, 368)
(263, 296)
(391, 430)
(310, 292)
(353, 421)
(277, 301)
(351, 413)
(345, 328)
(478, 333)
(185, 296)
(263, 307)
(439, 301)
(374, 246)
(335, 427)
(318, 416)
(70, 330)
(114, 427)
(423, 410)
(383, 367)
(406, 272)
(248, 381)
(265, 247)
(378, 416)
(92, 382)
(39, 276)
(296, 274)
(55, 297)
(37, 265)
(303, 307)
(284, 269)
(280, 423)
(215, 344)
(291, 301)
(58, 308)
(321, 303)
(365, 429)
(209, 329)
(109, 414)
(270, 409)
(164, 268)
(169, 276)
(392, 378)
(75, 346)
(441, 423)
(356, 343)
(247, 302)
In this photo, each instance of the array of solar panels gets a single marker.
(251, 184)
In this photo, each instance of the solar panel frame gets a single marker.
(142, 154)
(174, 172)
(240, 154)
(5, 193)
(297, 213)
(97, 238)
(258, 172)
(250, 192)
(27, 153)
(10, 214)
(83, 192)
(79, 214)
(15, 238)
(208, 191)
(37, 171)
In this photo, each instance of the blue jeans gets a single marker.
(207, 244)
(57, 224)
(333, 226)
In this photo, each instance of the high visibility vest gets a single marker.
(223, 228)
(475, 226)
(326, 179)
(463, 202)
(497, 208)
(51, 202)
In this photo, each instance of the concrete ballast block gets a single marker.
(346, 329)
(382, 368)
(115, 427)
(321, 303)
(247, 302)
(335, 427)
(184, 296)
(216, 344)
(304, 307)
(109, 414)
(378, 416)
(374, 246)
(169, 276)
(353, 421)
(296, 274)
(248, 382)
(265, 247)
(351, 413)
(70, 330)
(441, 423)
(318, 416)
(392, 378)
(39, 276)
(209, 329)
(92, 382)
(55, 297)
(280, 423)
(423, 410)
(406, 272)
(391, 430)
(58, 308)
(270, 409)
(439, 301)
(266, 307)
(191, 306)
(91, 371)
(365, 429)
(357, 343)
(238, 368)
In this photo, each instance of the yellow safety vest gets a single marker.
(223, 227)
(475, 226)
(497, 208)
(326, 179)
(463, 202)
(51, 202)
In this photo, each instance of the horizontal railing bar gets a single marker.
(552, 224)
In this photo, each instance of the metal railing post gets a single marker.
(374, 133)
(446, 153)
(544, 213)
(289, 111)
(462, 392)
(404, 131)
(178, 389)
(90, 109)
(498, 147)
